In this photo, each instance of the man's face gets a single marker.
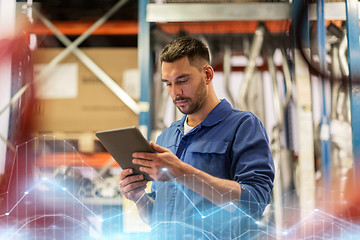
(185, 84)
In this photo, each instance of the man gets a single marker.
(212, 168)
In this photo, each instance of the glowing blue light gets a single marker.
(164, 169)
(44, 178)
(26, 193)
(202, 216)
(285, 233)
(257, 222)
(64, 188)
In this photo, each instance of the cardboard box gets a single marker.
(84, 104)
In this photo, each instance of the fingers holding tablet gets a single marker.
(132, 186)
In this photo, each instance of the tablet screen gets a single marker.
(122, 143)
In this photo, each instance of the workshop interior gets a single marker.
(71, 68)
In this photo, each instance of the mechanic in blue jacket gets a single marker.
(212, 169)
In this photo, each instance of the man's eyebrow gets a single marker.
(182, 76)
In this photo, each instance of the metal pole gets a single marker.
(145, 67)
(305, 138)
(324, 123)
(352, 25)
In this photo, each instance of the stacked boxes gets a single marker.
(74, 100)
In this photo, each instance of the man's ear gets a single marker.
(209, 73)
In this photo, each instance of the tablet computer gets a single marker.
(122, 143)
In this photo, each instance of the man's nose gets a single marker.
(176, 91)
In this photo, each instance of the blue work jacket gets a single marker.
(228, 144)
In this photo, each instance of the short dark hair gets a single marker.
(187, 46)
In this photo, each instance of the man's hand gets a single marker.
(161, 166)
(132, 187)
(164, 165)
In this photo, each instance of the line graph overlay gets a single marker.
(53, 203)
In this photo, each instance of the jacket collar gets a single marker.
(218, 114)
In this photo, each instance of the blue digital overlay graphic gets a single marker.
(52, 193)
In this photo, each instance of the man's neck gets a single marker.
(196, 118)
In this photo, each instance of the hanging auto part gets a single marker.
(287, 78)
(227, 71)
(342, 55)
(341, 145)
(255, 50)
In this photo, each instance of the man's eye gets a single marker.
(183, 81)
(168, 84)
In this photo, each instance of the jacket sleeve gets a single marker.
(252, 165)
